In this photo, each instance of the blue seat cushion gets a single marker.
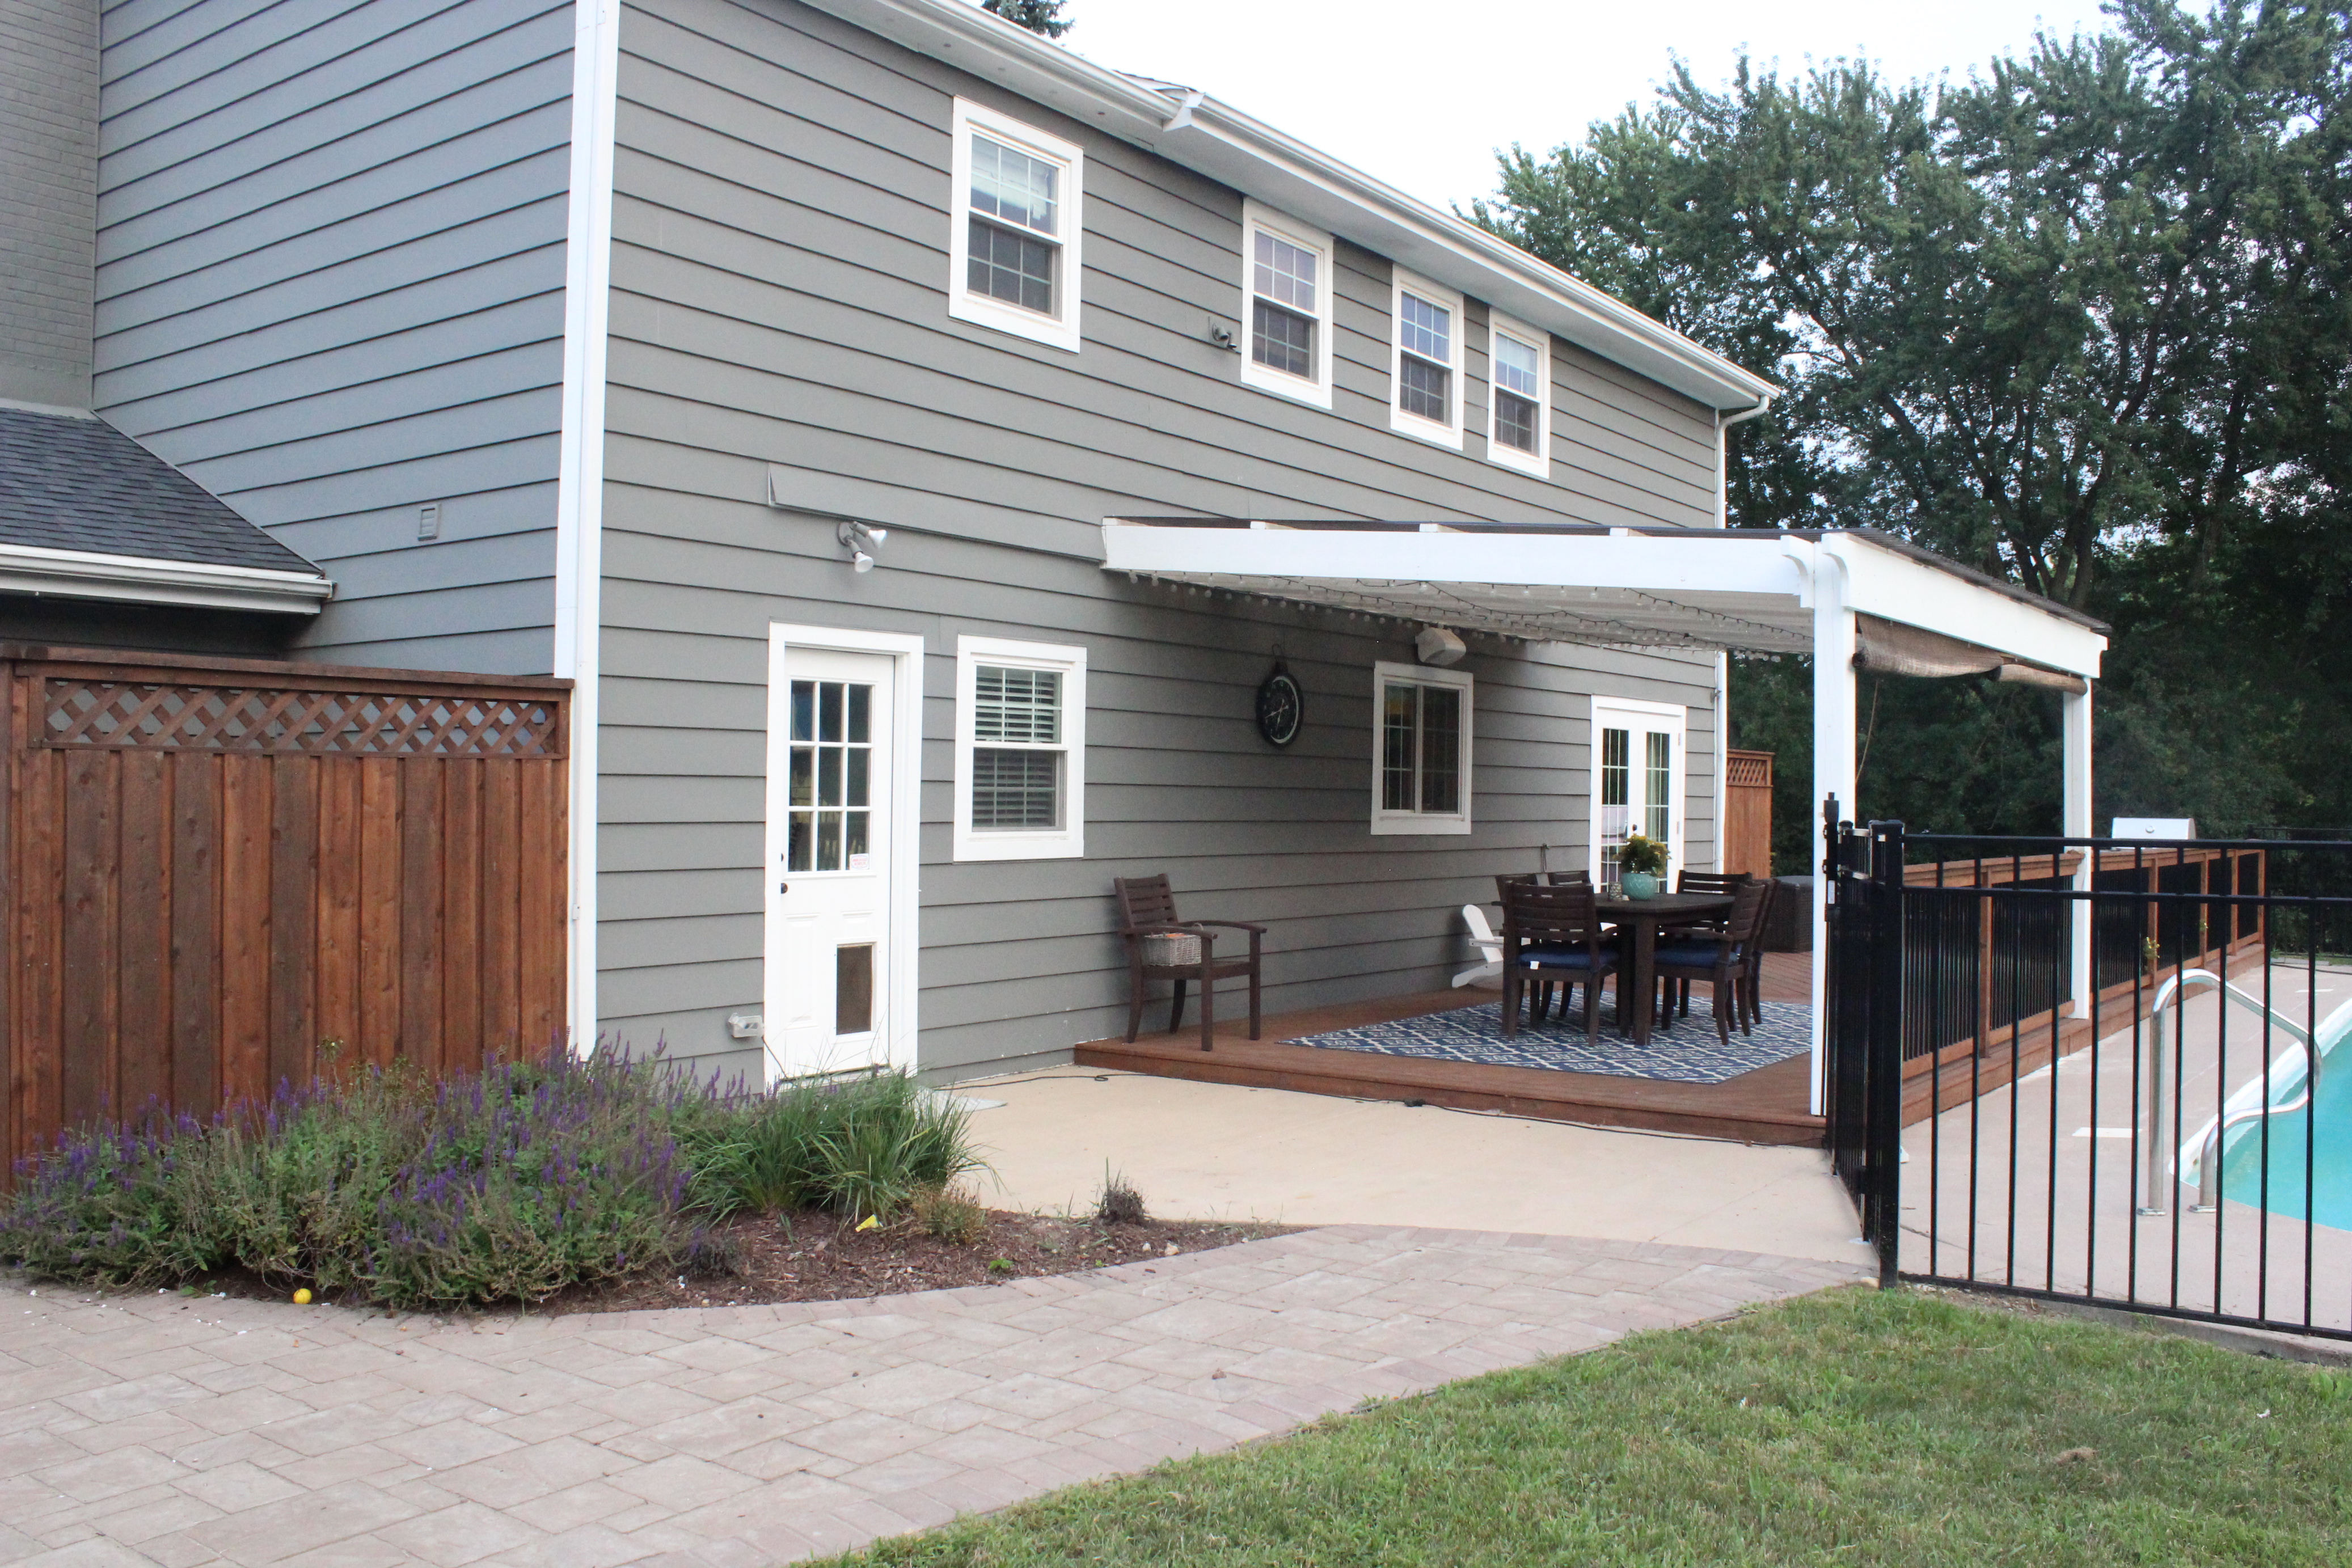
(1690, 953)
(1564, 958)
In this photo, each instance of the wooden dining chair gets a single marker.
(1159, 946)
(1677, 994)
(1553, 935)
(1720, 960)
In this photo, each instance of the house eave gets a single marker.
(1222, 142)
(86, 574)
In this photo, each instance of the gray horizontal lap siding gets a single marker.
(779, 263)
(330, 288)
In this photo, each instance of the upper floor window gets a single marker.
(1015, 227)
(1286, 315)
(1519, 433)
(1426, 362)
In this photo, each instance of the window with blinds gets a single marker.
(1019, 750)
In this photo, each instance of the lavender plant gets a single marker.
(505, 1185)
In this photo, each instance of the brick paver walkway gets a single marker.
(157, 1429)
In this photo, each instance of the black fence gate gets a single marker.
(2099, 1070)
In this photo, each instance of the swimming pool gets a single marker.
(2330, 1117)
(2317, 1134)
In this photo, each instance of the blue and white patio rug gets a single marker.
(1688, 1053)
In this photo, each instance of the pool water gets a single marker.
(2330, 1116)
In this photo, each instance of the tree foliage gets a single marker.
(2080, 320)
(1040, 16)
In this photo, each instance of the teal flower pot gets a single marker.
(1639, 884)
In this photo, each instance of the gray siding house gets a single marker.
(773, 368)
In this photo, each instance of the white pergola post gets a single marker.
(2074, 724)
(1833, 722)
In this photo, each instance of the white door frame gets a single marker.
(1677, 785)
(902, 947)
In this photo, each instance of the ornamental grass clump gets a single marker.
(861, 1146)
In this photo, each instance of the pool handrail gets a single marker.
(2155, 1143)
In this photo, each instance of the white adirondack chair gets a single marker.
(1489, 945)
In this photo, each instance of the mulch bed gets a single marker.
(819, 1257)
(823, 1257)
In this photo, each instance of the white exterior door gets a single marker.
(830, 945)
(1637, 780)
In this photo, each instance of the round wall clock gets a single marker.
(1281, 707)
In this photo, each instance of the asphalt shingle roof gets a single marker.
(69, 483)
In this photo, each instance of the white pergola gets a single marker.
(1706, 589)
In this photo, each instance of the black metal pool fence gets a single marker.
(2097, 1069)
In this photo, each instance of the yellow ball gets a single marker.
(301, 1298)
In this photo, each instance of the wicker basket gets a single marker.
(1167, 948)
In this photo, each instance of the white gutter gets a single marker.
(580, 477)
(88, 574)
(1214, 139)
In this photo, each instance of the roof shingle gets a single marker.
(78, 484)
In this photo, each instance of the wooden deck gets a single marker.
(1767, 1106)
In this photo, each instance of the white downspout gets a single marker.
(580, 477)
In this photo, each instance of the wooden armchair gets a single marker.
(1699, 930)
(1161, 947)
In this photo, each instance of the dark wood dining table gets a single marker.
(1640, 918)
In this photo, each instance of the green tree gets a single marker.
(2079, 321)
(1040, 16)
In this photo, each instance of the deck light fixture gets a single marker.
(861, 541)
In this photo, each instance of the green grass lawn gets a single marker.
(1853, 1427)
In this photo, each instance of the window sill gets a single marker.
(1418, 827)
(1429, 430)
(1019, 847)
(980, 311)
(1297, 389)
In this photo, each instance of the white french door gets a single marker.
(832, 838)
(1637, 780)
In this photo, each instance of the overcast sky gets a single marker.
(1421, 94)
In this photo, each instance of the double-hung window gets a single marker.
(1286, 315)
(1021, 750)
(1426, 362)
(1014, 226)
(1421, 750)
(1518, 434)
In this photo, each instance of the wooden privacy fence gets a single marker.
(1748, 813)
(212, 867)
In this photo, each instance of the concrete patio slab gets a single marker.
(754, 1435)
(1216, 1151)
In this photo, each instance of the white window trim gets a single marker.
(1068, 841)
(1413, 425)
(1387, 823)
(1538, 462)
(1635, 713)
(1265, 378)
(1059, 330)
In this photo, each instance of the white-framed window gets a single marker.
(1519, 396)
(1637, 780)
(1021, 750)
(1426, 361)
(1016, 219)
(1421, 750)
(1285, 306)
